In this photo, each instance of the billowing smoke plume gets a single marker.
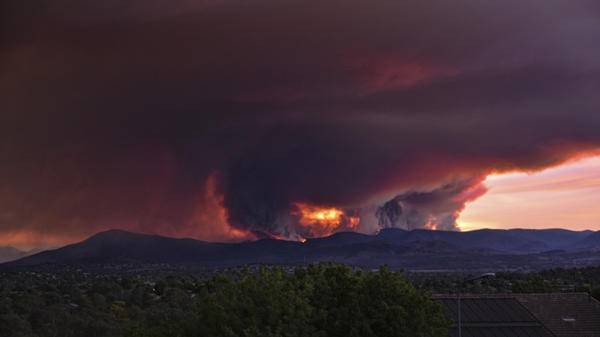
(217, 119)
(435, 209)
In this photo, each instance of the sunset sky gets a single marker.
(235, 120)
(566, 196)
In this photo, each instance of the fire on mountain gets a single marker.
(318, 221)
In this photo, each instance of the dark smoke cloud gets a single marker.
(151, 115)
(437, 209)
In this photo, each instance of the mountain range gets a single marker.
(486, 249)
(8, 253)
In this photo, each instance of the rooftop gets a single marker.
(496, 316)
(566, 315)
(558, 315)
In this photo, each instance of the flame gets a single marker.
(318, 221)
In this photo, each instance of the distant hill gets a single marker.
(521, 241)
(122, 246)
(8, 253)
(416, 249)
(591, 241)
(118, 246)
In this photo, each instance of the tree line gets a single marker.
(318, 300)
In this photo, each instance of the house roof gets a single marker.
(494, 316)
(566, 315)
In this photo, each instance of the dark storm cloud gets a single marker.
(116, 114)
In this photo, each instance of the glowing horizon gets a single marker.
(564, 196)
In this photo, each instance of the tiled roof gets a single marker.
(566, 315)
(494, 316)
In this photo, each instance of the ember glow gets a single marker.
(321, 221)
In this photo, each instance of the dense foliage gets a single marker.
(321, 300)
(547, 281)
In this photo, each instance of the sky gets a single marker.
(565, 196)
(229, 120)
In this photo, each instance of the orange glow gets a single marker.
(29, 239)
(565, 196)
(210, 219)
(207, 222)
(322, 221)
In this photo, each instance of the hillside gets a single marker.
(417, 249)
(8, 253)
